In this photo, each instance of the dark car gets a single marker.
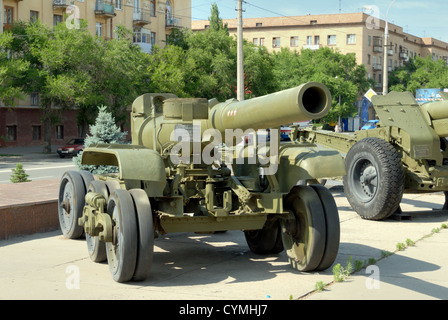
(71, 148)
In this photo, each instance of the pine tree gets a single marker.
(19, 175)
(103, 131)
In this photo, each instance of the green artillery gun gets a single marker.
(173, 178)
(407, 152)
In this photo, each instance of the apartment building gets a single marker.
(354, 33)
(150, 20)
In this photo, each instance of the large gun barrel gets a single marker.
(156, 116)
(309, 101)
(438, 113)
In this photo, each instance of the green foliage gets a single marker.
(419, 73)
(71, 68)
(339, 72)
(103, 131)
(19, 174)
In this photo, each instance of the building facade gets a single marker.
(150, 20)
(347, 33)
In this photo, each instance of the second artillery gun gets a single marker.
(407, 152)
(172, 179)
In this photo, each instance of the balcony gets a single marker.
(105, 8)
(141, 17)
(313, 47)
(390, 52)
(143, 40)
(172, 22)
(61, 3)
(377, 67)
(404, 55)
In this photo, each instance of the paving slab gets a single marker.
(189, 266)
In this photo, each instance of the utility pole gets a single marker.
(386, 49)
(240, 54)
(1, 16)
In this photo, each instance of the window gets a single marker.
(11, 133)
(36, 132)
(351, 39)
(261, 42)
(255, 41)
(259, 24)
(369, 40)
(331, 40)
(276, 42)
(99, 29)
(368, 59)
(153, 38)
(57, 19)
(152, 8)
(316, 40)
(294, 41)
(59, 134)
(8, 17)
(118, 4)
(34, 16)
(309, 40)
(313, 22)
(34, 99)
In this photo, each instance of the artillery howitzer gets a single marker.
(407, 152)
(167, 183)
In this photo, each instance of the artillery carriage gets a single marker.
(172, 178)
(406, 153)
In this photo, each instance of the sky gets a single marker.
(420, 18)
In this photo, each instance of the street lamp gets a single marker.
(386, 46)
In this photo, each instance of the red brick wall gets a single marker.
(25, 118)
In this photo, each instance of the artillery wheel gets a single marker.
(122, 251)
(145, 249)
(71, 202)
(266, 240)
(304, 233)
(374, 183)
(95, 247)
(332, 224)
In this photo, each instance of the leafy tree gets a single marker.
(104, 130)
(339, 72)
(419, 73)
(10, 71)
(71, 68)
(216, 23)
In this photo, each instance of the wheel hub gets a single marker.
(368, 179)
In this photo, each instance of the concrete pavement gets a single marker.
(190, 266)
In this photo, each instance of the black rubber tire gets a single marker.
(333, 228)
(374, 183)
(122, 253)
(71, 194)
(145, 225)
(304, 233)
(266, 240)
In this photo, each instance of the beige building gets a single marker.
(348, 33)
(150, 20)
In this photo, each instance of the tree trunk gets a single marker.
(46, 118)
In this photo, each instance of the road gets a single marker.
(38, 166)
